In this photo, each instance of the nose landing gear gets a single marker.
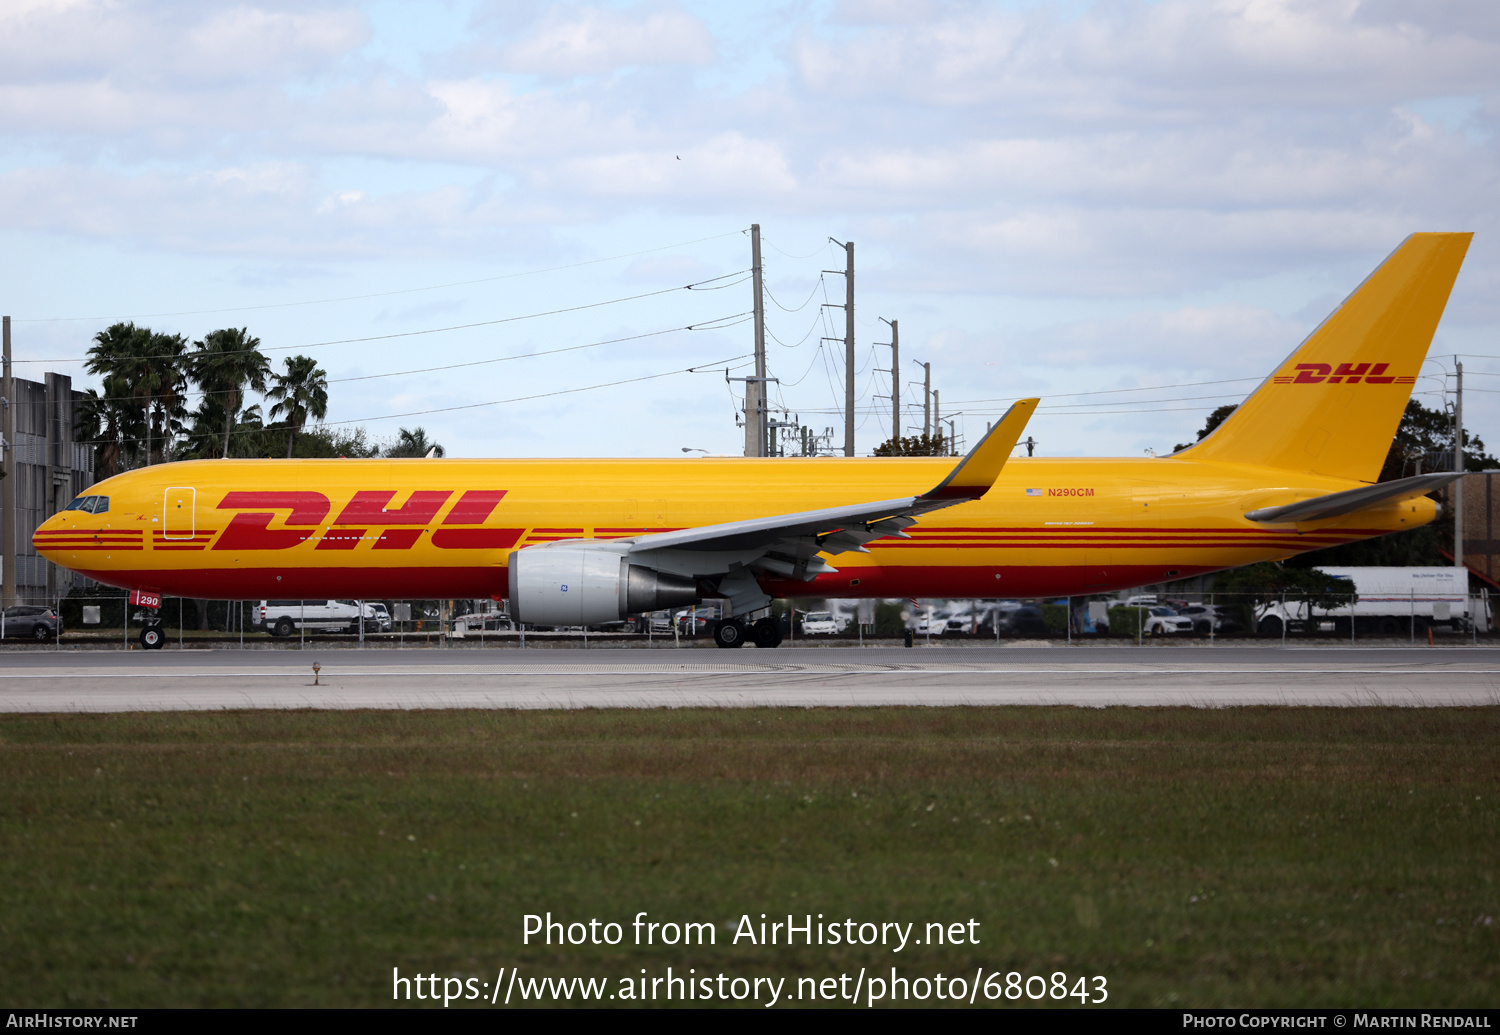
(152, 637)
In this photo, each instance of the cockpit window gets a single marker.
(90, 504)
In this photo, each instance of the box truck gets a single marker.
(1389, 601)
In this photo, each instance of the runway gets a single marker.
(1198, 676)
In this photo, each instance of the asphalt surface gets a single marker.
(1093, 676)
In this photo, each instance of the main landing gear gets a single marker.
(152, 637)
(732, 632)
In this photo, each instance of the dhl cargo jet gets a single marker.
(584, 542)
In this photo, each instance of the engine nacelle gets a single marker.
(589, 583)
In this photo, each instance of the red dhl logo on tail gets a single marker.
(1346, 373)
(365, 518)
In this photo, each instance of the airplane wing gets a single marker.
(788, 544)
(1338, 504)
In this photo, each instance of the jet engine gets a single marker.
(589, 583)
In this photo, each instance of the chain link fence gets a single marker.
(105, 619)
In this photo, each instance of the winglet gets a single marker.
(976, 472)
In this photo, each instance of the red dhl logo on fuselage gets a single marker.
(1344, 373)
(396, 528)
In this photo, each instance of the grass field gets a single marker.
(1251, 856)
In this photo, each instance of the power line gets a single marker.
(816, 251)
(544, 395)
(699, 368)
(709, 325)
(1143, 402)
(384, 294)
(798, 309)
(798, 344)
(794, 384)
(437, 330)
(1117, 391)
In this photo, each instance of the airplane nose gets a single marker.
(39, 537)
(45, 539)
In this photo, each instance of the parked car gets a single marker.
(821, 623)
(284, 617)
(699, 621)
(935, 623)
(382, 618)
(487, 619)
(1209, 617)
(30, 622)
(1162, 620)
(1025, 620)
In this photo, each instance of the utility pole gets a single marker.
(848, 307)
(8, 483)
(937, 413)
(895, 344)
(849, 349)
(755, 391)
(1458, 465)
(895, 381)
(926, 397)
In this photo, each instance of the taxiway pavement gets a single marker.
(1093, 676)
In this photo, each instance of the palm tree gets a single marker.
(165, 371)
(414, 443)
(115, 358)
(97, 421)
(300, 393)
(227, 362)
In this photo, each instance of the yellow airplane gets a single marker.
(584, 542)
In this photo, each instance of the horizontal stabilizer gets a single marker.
(1340, 503)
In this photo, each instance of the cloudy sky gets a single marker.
(1063, 199)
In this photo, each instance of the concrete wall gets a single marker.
(50, 468)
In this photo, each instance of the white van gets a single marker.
(284, 617)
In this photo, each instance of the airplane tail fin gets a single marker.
(1333, 406)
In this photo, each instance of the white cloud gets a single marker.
(1062, 156)
(600, 40)
(980, 145)
(166, 46)
(723, 166)
(1136, 59)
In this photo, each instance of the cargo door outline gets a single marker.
(179, 512)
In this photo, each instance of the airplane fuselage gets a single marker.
(424, 529)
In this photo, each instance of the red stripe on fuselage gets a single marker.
(476, 538)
